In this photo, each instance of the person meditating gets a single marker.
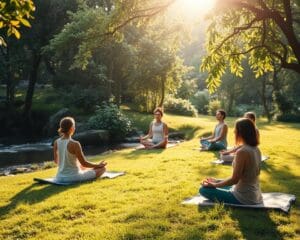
(246, 169)
(218, 140)
(228, 155)
(157, 136)
(72, 165)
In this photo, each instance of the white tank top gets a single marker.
(157, 132)
(68, 164)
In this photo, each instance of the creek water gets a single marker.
(42, 151)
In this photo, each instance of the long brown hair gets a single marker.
(65, 125)
(245, 131)
(160, 110)
(250, 115)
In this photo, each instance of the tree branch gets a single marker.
(143, 14)
(288, 12)
(285, 26)
(236, 31)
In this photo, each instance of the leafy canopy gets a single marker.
(264, 32)
(14, 14)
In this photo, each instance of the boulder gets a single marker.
(176, 135)
(92, 137)
(53, 123)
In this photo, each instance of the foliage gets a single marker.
(288, 117)
(180, 106)
(241, 29)
(145, 203)
(240, 109)
(213, 106)
(187, 89)
(85, 99)
(109, 117)
(14, 14)
(201, 101)
(138, 63)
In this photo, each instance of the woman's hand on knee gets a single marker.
(102, 164)
(209, 182)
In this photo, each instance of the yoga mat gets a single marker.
(273, 200)
(54, 181)
(200, 149)
(219, 161)
(169, 145)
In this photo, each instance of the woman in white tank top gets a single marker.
(72, 165)
(157, 136)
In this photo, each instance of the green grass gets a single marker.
(145, 203)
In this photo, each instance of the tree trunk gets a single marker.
(10, 88)
(264, 99)
(162, 93)
(110, 79)
(231, 97)
(119, 92)
(31, 84)
(282, 102)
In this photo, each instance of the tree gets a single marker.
(14, 14)
(50, 17)
(265, 31)
(139, 61)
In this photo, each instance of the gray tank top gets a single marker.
(158, 132)
(247, 190)
(218, 131)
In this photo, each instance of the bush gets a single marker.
(213, 106)
(241, 109)
(109, 117)
(288, 117)
(180, 106)
(84, 99)
(201, 100)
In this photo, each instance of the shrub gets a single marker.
(109, 117)
(84, 99)
(180, 106)
(213, 106)
(201, 100)
(241, 109)
(288, 117)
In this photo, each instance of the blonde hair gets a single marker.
(65, 125)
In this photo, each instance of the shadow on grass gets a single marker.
(284, 178)
(252, 223)
(256, 224)
(284, 125)
(33, 194)
(188, 130)
(138, 153)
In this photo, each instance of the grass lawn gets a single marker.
(145, 203)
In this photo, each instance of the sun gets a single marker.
(197, 5)
(192, 9)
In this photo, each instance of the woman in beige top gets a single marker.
(243, 186)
